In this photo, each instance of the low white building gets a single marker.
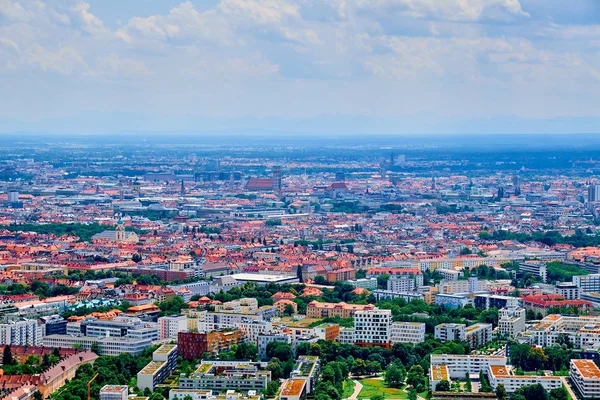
(460, 365)
(585, 374)
(408, 332)
(503, 374)
(114, 392)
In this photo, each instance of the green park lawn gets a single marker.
(372, 387)
(348, 388)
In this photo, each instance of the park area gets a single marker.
(376, 386)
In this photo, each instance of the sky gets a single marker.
(355, 66)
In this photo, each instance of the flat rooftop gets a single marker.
(587, 368)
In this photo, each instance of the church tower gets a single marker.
(120, 232)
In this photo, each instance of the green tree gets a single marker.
(442, 386)
(412, 394)
(299, 274)
(7, 357)
(378, 396)
(136, 258)
(394, 376)
(501, 392)
(95, 348)
(272, 388)
(416, 377)
(32, 360)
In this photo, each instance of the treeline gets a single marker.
(559, 272)
(83, 231)
(549, 238)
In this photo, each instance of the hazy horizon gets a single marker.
(320, 66)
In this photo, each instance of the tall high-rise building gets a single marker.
(593, 193)
(13, 196)
(277, 179)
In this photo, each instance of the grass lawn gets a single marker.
(372, 387)
(348, 388)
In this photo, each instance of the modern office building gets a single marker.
(588, 283)
(373, 328)
(364, 283)
(407, 332)
(593, 193)
(164, 362)
(487, 301)
(53, 325)
(452, 300)
(307, 368)
(131, 327)
(109, 346)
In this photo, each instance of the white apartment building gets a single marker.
(450, 332)
(408, 332)
(401, 284)
(454, 286)
(449, 274)
(582, 331)
(503, 374)
(460, 365)
(511, 321)
(585, 374)
(114, 392)
(169, 327)
(253, 328)
(568, 290)
(478, 335)
(346, 335)
(587, 283)
(365, 283)
(373, 327)
(223, 320)
(21, 333)
(164, 362)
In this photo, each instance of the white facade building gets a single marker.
(408, 332)
(460, 365)
(585, 374)
(373, 327)
(511, 321)
(21, 333)
(169, 327)
(450, 332)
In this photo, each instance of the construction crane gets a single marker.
(88, 385)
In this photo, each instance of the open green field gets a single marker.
(372, 387)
